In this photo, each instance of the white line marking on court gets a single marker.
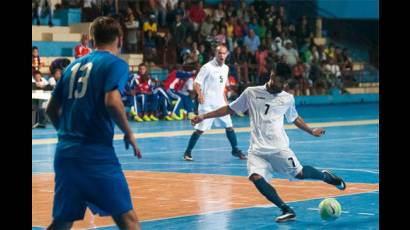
(235, 209)
(367, 214)
(219, 131)
(375, 171)
(316, 209)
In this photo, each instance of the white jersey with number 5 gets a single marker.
(213, 79)
(266, 112)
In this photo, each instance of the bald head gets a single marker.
(221, 54)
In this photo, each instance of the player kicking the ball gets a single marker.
(269, 145)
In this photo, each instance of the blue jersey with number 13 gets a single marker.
(81, 92)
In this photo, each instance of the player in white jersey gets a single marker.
(209, 85)
(269, 145)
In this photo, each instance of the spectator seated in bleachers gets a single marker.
(55, 77)
(197, 15)
(150, 48)
(291, 54)
(142, 84)
(36, 63)
(38, 82)
(170, 85)
(82, 49)
(184, 89)
(252, 41)
(132, 26)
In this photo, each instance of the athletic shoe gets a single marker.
(238, 153)
(137, 118)
(287, 215)
(153, 118)
(335, 180)
(146, 118)
(188, 157)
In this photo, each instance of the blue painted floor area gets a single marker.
(311, 113)
(352, 152)
(354, 216)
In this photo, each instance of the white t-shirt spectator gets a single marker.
(334, 69)
(41, 83)
(291, 56)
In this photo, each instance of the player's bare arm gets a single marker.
(197, 88)
(300, 123)
(115, 108)
(53, 111)
(225, 110)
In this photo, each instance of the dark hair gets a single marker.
(142, 64)
(104, 30)
(34, 48)
(37, 72)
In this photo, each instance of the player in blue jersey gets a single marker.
(83, 108)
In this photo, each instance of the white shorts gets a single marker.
(206, 124)
(283, 162)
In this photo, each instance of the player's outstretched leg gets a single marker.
(192, 141)
(128, 220)
(60, 225)
(270, 193)
(309, 172)
(230, 134)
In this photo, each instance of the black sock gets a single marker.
(230, 134)
(310, 172)
(270, 193)
(192, 141)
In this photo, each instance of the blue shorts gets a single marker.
(81, 182)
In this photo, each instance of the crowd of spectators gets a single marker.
(182, 36)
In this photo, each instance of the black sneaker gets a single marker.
(287, 215)
(336, 181)
(188, 157)
(238, 153)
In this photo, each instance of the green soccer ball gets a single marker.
(330, 209)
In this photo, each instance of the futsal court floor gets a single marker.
(213, 192)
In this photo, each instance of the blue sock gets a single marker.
(192, 141)
(230, 134)
(270, 193)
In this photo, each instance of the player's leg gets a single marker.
(153, 98)
(226, 122)
(189, 106)
(309, 172)
(165, 104)
(59, 225)
(259, 171)
(68, 202)
(271, 194)
(175, 112)
(128, 220)
(192, 141)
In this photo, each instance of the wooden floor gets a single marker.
(165, 194)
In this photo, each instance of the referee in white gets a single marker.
(209, 85)
(269, 145)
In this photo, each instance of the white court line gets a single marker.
(367, 214)
(316, 209)
(234, 209)
(219, 131)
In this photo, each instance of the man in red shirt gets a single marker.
(197, 14)
(82, 49)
